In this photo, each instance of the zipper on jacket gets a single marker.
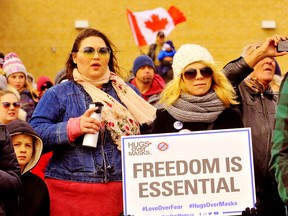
(267, 125)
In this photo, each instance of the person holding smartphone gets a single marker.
(251, 75)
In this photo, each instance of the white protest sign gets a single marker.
(188, 174)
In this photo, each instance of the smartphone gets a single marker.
(282, 46)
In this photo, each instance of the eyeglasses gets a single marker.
(192, 73)
(89, 52)
(8, 104)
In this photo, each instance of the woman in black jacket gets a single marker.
(199, 97)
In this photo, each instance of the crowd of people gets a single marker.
(45, 169)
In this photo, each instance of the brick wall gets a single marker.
(42, 32)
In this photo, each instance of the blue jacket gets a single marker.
(71, 161)
(165, 53)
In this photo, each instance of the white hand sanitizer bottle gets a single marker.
(90, 140)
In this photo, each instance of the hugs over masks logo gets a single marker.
(139, 148)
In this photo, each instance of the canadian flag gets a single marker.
(146, 24)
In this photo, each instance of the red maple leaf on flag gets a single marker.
(145, 24)
(156, 24)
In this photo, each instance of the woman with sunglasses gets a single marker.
(88, 180)
(9, 107)
(199, 97)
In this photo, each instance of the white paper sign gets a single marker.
(188, 174)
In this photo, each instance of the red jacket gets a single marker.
(157, 86)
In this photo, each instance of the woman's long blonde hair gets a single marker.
(220, 84)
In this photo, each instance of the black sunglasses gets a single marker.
(8, 104)
(190, 74)
(89, 52)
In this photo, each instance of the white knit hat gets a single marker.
(187, 54)
(13, 64)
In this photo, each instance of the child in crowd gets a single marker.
(167, 52)
(34, 197)
(165, 57)
(16, 75)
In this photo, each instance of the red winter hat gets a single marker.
(43, 81)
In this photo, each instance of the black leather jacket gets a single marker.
(257, 111)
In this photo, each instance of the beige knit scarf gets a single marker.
(119, 120)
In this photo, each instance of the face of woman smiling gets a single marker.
(91, 67)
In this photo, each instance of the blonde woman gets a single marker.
(199, 97)
(10, 107)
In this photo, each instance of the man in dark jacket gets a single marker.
(251, 76)
(10, 183)
(155, 48)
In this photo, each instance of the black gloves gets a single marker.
(251, 212)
